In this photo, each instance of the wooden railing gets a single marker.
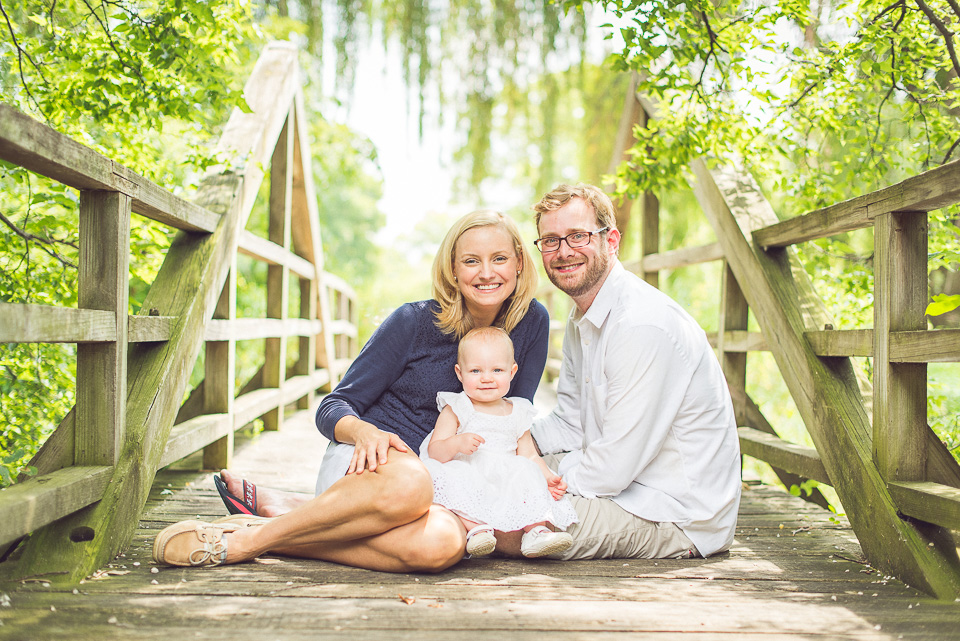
(898, 484)
(95, 470)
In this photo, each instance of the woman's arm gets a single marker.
(376, 368)
(371, 444)
(446, 443)
(531, 338)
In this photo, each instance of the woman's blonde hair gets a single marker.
(453, 317)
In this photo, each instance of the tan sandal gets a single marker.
(192, 543)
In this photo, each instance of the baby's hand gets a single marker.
(557, 486)
(469, 442)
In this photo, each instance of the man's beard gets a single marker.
(595, 270)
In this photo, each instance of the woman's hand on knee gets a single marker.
(371, 446)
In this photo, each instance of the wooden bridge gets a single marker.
(98, 473)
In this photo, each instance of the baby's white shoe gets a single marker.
(541, 541)
(481, 541)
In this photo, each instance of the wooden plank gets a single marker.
(242, 329)
(800, 460)
(274, 254)
(925, 192)
(49, 324)
(194, 434)
(150, 329)
(734, 317)
(278, 276)
(739, 341)
(849, 342)
(925, 346)
(826, 392)
(631, 115)
(255, 404)
(676, 258)
(334, 282)
(220, 370)
(43, 499)
(37, 147)
(159, 372)
(307, 345)
(899, 389)
(102, 367)
(929, 502)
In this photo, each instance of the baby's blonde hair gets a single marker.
(488, 334)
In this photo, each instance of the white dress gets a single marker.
(494, 485)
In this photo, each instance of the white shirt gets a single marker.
(644, 409)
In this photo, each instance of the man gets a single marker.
(643, 433)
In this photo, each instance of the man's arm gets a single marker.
(646, 377)
(560, 431)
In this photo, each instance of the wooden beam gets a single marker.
(187, 287)
(676, 258)
(797, 459)
(150, 329)
(220, 369)
(739, 341)
(41, 500)
(194, 434)
(37, 147)
(899, 389)
(850, 342)
(930, 502)
(102, 367)
(925, 346)
(826, 391)
(274, 254)
(49, 324)
(245, 329)
(925, 192)
(278, 276)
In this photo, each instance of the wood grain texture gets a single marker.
(919, 194)
(794, 571)
(827, 393)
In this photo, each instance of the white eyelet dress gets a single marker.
(494, 485)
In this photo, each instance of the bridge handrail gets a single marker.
(872, 440)
(95, 469)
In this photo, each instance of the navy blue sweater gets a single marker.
(393, 382)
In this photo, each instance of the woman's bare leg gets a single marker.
(432, 543)
(337, 524)
(270, 502)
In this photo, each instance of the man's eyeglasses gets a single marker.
(550, 244)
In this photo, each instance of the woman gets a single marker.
(375, 508)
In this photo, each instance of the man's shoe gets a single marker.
(541, 541)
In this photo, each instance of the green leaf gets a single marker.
(943, 303)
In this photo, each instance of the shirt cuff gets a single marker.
(571, 478)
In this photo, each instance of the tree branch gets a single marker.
(950, 151)
(113, 45)
(47, 244)
(21, 53)
(942, 28)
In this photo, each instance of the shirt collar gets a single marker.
(608, 295)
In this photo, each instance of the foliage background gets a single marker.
(820, 100)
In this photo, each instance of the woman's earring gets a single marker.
(454, 279)
(518, 272)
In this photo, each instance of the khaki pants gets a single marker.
(607, 531)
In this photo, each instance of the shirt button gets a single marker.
(588, 379)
